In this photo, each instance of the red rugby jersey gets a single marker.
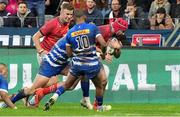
(105, 30)
(53, 30)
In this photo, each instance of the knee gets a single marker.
(4, 95)
(28, 91)
(66, 86)
(104, 82)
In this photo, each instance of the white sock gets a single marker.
(87, 99)
(55, 96)
(32, 101)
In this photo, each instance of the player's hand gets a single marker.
(42, 54)
(161, 26)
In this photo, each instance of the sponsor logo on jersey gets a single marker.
(80, 32)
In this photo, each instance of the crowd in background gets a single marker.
(140, 14)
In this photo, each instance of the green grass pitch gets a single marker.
(74, 109)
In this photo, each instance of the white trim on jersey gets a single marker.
(98, 35)
(87, 58)
(59, 54)
(59, 49)
(4, 90)
(89, 64)
(50, 62)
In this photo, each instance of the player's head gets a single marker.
(3, 70)
(66, 13)
(119, 25)
(79, 15)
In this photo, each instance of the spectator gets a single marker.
(157, 4)
(172, 1)
(60, 4)
(116, 11)
(161, 20)
(102, 5)
(3, 4)
(3, 12)
(23, 17)
(144, 4)
(12, 6)
(175, 11)
(92, 13)
(136, 17)
(51, 6)
(79, 4)
(38, 8)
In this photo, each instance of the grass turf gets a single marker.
(74, 109)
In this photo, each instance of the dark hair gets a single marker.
(161, 10)
(131, 3)
(100, 4)
(67, 6)
(78, 13)
(95, 1)
(118, 1)
(22, 2)
(4, 1)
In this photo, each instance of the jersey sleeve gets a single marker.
(68, 39)
(96, 31)
(3, 84)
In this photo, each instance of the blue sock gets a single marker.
(99, 100)
(60, 91)
(18, 96)
(85, 88)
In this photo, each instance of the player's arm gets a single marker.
(36, 40)
(117, 49)
(117, 53)
(103, 43)
(116, 46)
(68, 50)
(68, 45)
(5, 97)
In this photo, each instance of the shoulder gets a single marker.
(91, 25)
(154, 3)
(53, 21)
(31, 14)
(97, 11)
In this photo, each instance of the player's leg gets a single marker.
(100, 83)
(85, 101)
(40, 81)
(46, 71)
(50, 87)
(68, 83)
(41, 92)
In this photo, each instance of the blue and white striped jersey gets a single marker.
(58, 55)
(82, 39)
